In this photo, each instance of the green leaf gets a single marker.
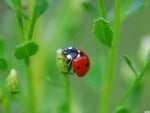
(122, 109)
(103, 32)
(26, 50)
(135, 6)
(3, 63)
(128, 61)
(41, 7)
(2, 46)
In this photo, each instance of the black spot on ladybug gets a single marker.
(78, 67)
(87, 64)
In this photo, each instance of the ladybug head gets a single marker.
(70, 53)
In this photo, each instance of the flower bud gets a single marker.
(62, 62)
(144, 49)
(12, 82)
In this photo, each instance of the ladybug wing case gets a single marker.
(81, 65)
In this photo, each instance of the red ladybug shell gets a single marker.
(81, 65)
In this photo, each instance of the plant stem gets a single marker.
(18, 10)
(67, 92)
(135, 83)
(104, 105)
(7, 104)
(102, 8)
(31, 100)
(33, 21)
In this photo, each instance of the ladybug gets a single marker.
(81, 64)
(77, 59)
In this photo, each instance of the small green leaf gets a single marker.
(135, 6)
(20, 52)
(128, 61)
(103, 32)
(3, 63)
(26, 50)
(42, 6)
(2, 46)
(31, 48)
(122, 109)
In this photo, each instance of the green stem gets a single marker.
(7, 104)
(33, 21)
(102, 8)
(67, 93)
(31, 101)
(134, 85)
(18, 10)
(104, 105)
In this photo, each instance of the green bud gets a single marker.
(62, 62)
(144, 49)
(12, 82)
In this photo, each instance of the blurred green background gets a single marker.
(69, 23)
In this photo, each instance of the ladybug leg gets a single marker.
(71, 72)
